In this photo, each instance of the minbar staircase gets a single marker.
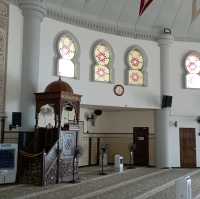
(48, 165)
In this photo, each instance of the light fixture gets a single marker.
(92, 116)
(173, 123)
(167, 31)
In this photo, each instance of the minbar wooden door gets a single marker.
(141, 143)
(187, 147)
(68, 166)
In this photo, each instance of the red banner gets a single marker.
(143, 5)
(195, 10)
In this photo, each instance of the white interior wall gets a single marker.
(185, 101)
(95, 93)
(138, 97)
(183, 122)
(123, 121)
(185, 107)
(118, 122)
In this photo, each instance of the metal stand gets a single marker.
(131, 161)
(73, 170)
(77, 154)
(102, 162)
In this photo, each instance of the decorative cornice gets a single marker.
(60, 14)
(68, 17)
(81, 21)
(35, 5)
(187, 39)
(15, 2)
(165, 39)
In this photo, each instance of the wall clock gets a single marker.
(118, 90)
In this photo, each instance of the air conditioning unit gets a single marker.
(8, 163)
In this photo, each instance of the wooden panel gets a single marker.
(141, 141)
(187, 147)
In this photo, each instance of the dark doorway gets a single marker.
(187, 147)
(141, 143)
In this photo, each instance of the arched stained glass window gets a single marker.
(192, 66)
(135, 59)
(68, 50)
(103, 60)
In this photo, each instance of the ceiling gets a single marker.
(173, 14)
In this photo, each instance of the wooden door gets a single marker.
(141, 143)
(187, 147)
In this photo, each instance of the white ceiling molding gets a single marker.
(119, 27)
(81, 21)
(15, 2)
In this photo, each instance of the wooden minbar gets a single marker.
(56, 137)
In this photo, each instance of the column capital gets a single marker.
(165, 39)
(38, 7)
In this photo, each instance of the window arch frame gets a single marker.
(94, 62)
(128, 67)
(186, 72)
(76, 57)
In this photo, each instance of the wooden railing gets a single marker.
(50, 166)
(30, 168)
(38, 169)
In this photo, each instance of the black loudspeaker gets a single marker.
(166, 101)
(16, 119)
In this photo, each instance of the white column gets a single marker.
(163, 115)
(165, 42)
(33, 12)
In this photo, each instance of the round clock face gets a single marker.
(192, 63)
(118, 90)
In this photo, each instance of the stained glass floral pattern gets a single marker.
(135, 61)
(192, 66)
(102, 73)
(68, 50)
(66, 47)
(136, 77)
(102, 53)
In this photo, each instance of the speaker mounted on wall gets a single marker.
(16, 119)
(166, 101)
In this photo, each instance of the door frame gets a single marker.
(180, 146)
(134, 143)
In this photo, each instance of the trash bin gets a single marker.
(119, 163)
(183, 188)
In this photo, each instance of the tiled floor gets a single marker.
(138, 183)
